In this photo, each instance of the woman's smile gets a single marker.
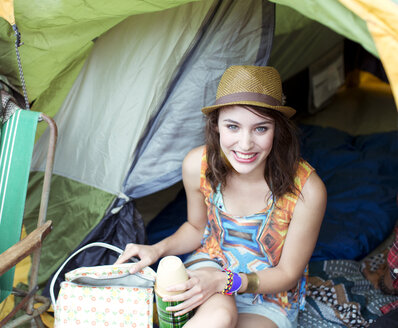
(245, 157)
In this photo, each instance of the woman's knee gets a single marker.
(215, 315)
(217, 318)
(225, 316)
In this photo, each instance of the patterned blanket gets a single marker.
(340, 296)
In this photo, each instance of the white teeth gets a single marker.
(244, 156)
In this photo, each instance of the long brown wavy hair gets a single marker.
(281, 163)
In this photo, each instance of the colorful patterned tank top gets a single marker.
(255, 242)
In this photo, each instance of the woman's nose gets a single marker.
(246, 141)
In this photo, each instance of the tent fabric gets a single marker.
(165, 145)
(75, 209)
(7, 11)
(295, 45)
(337, 17)
(58, 35)
(382, 21)
(133, 76)
(372, 24)
(135, 102)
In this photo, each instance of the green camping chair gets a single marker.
(16, 148)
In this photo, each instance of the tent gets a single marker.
(125, 80)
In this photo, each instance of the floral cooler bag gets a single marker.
(104, 296)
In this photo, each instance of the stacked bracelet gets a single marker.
(234, 282)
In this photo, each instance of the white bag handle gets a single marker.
(111, 247)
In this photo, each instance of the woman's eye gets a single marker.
(232, 126)
(261, 129)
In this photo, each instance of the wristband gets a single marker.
(252, 283)
(234, 282)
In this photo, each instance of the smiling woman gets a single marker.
(254, 211)
(284, 152)
(245, 139)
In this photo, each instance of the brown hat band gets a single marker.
(248, 96)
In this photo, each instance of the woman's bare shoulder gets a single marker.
(193, 159)
(191, 165)
(314, 186)
(196, 152)
(314, 194)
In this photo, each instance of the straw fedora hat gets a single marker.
(250, 85)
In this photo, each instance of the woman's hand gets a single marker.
(201, 285)
(147, 255)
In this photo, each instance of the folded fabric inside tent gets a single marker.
(362, 183)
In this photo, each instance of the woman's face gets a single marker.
(245, 138)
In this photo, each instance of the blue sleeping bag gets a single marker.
(361, 177)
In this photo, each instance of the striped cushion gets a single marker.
(17, 141)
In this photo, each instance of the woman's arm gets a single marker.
(300, 240)
(188, 237)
